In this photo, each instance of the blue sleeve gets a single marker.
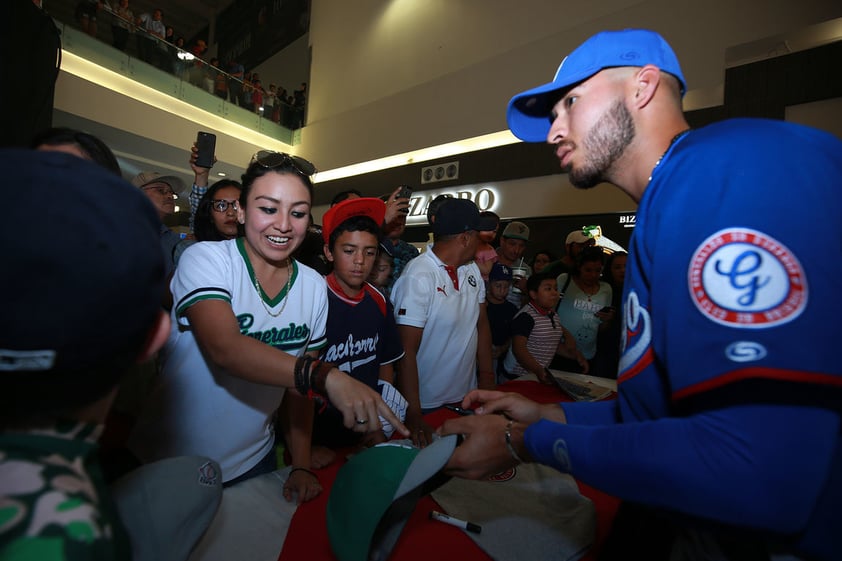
(764, 463)
(591, 413)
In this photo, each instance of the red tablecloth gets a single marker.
(423, 539)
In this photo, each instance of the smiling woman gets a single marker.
(233, 300)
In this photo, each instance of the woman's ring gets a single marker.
(362, 421)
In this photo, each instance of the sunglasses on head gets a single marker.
(274, 160)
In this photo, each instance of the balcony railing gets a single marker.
(190, 79)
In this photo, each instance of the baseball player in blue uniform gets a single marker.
(725, 435)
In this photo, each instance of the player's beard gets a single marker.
(603, 145)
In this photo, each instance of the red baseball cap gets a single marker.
(372, 207)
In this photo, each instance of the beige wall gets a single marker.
(392, 76)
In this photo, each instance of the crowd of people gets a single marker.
(158, 44)
(255, 347)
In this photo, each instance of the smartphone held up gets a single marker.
(405, 192)
(205, 149)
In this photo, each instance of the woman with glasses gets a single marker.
(213, 210)
(248, 322)
(216, 214)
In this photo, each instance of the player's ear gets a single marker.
(157, 336)
(328, 253)
(645, 84)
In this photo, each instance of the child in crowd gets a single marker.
(500, 314)
(362, 337)
(382, 269)
(537, 334)
(486, 255)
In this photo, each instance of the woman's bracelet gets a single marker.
(293, 470)
(509, 442)
(319, 376)
(301, 374)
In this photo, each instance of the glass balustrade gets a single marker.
(178, 73)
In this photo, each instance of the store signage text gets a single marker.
(486, 198)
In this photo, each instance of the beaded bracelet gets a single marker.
(509, 442)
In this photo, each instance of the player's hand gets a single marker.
(512, 405)
(361, 406)
(302, 486)
(483, 450)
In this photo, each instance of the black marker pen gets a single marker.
(441, 517)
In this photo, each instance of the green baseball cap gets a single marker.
(375, 493)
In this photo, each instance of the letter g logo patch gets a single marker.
(746, 279)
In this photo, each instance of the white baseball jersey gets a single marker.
(196, 407)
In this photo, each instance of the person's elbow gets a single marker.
(220, 352)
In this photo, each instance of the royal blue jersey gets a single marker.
(730, 389)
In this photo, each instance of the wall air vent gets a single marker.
(440, 172)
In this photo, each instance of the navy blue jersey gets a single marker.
(361, 333)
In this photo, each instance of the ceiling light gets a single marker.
(483, 142)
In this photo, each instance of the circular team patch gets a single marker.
(744, 278)
(503, 476)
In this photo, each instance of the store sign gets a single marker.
(628, 220)
(486, 198)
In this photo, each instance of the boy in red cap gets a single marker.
(362, 338)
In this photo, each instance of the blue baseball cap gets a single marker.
(528, 112)
(500, 272)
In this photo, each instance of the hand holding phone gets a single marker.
(205, 149)
(404, 192)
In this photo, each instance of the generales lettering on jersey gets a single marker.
(292, 335)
